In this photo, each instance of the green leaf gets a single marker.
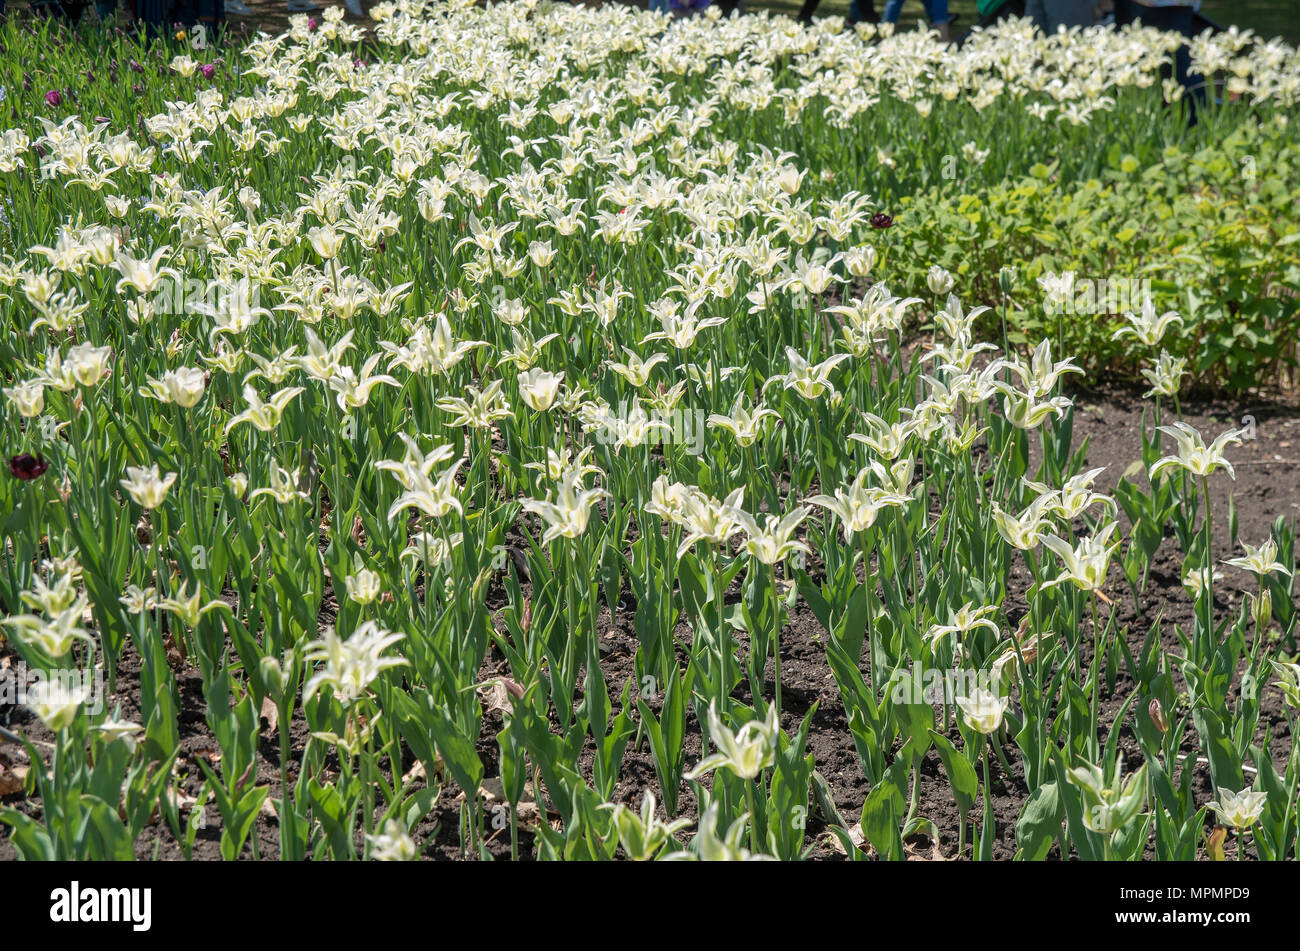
(1225, 766)
(962, 780)
(1040, 823)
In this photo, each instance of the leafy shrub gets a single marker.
(1215, 232)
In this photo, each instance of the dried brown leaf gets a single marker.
(271, 714)
(12, 780)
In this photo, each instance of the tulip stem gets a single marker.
(988, 794)
(914, 801)
(751, 799)
(1096, 675)
(776, 639)
(871, 644)
(514, 832)
(720, 631)
(997, 748)
(1208, 590)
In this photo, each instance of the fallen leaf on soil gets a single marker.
(934, 854)
(493, 790)
(419, 772)
(527, 810)
(499, 694)
(12, 780)
(529, 814)
(213, 756)
(180, 800)
(175, 653)
(271, 714)
(855, 836)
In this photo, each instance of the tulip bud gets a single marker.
(364, 587)
(939, 280)
(273, 676)
(1007, 278)
(1157, 713)
(1262, 609)
(1214, 843)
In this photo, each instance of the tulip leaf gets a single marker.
(961, 775)
(1040, 823)
(1225, 766)
(882, 813)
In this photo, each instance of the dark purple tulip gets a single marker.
(26, 467)
(136, 67)
(54, 98)
(208, 70)
(880, 220)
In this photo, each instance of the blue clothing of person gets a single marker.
(857, 14)
(658, 6)
(936, 10)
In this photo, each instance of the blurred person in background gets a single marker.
(936, 10)
(860, 11)
(687, 8)
(1050, 15)
(1176, 16)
